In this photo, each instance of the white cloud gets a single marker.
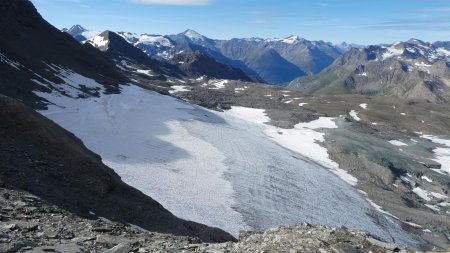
(173, 2)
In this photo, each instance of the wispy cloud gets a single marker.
(258, 22)
(173, 2)
(419, 24)
(437, 10)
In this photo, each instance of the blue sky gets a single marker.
(357, 21)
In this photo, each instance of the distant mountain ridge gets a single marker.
(130, 58)
(277, 61)
(413, 70)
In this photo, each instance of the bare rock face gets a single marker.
(30, 224)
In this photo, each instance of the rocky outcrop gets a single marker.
(30, 224)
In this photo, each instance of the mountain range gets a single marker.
(412, 70)
(276, 61)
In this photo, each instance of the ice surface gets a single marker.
(216, 168)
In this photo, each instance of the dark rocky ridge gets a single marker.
(28, 39)
(197, 64)
(40, 157)
(118, 50)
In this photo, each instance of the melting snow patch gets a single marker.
(443, 52)
(73, 85)
(354, 115)
(363, 106)
(397, 143)
(304, 139)
(289, 101)
(103, 219)
(138, 228)
(218, 84)
(421, 193)
(412, 224)
(11, 63)
(422, 64)
(427, 179)
(392, 51)
(428, 195)
(257, 116)
(302, 104)
(433, 207)
(442, 153)
(178, 88)
(145, 72)
(98, 41)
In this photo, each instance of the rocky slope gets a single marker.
(411, 70)
(31, 224)
(197, 64)
(27, 65)
(131, 59)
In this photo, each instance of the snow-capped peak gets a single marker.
(288, 40)
(156, 39)
(291, 39)
(76, 29)
(99, 42)
(193, 35)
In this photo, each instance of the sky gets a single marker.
(354, 21)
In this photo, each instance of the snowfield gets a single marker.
(442, 154)
(228, 170)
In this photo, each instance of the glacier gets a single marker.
(212, 167)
